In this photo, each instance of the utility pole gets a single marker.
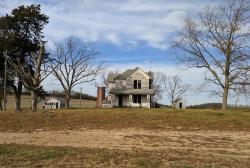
(81, 97)
(5, 82)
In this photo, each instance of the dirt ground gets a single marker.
(235, 144)
(125, 138)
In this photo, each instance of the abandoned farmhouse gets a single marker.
(132, 88)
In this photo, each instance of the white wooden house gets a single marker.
(53, 103)
(132, 88)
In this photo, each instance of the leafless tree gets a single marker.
(33, 74)
(157, 84)
(175, 88)
(218, 41)
(75, 65)
(104, 79)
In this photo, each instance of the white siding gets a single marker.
(129, 84)
(137, 75)
(53, 103)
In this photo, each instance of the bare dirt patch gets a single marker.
(236, 144)
(125, 138)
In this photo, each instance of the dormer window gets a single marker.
(137, 84)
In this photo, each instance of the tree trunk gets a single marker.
(225, 94)
(34, 97)
(67, 100)
(226, 85)
(172, 104)
(18, 94)
(224, 99)
(1, 101)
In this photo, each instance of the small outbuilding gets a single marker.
(179, 104)
(53, 103)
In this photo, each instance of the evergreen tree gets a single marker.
(21, 33)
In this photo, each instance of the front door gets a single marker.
(180, 105)
(120, 100)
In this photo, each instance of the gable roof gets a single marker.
(124, 75)
(56, 98)
(111, 77)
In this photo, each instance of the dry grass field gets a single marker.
(125, 138)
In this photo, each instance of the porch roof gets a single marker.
(133, 91)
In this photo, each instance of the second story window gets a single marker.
(137, 84)
(150, 83)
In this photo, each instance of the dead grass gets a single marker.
(152, 119)
(32, 156)
(194, 147)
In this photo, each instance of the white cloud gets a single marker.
(127, 23)
(119, 22)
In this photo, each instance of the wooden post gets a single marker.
(5, 82)
(81, 97)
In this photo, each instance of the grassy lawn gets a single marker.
(168, 119)
(31, 156)
(14, 155)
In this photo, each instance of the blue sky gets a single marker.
(127, 33)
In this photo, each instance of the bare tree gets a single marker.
(33, 73)
(218, 41)
(174, 88)
(157, 78)
(75, 65)
(104, 79)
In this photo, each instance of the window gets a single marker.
(136, 98)
(137, 84)
(150, 83)
(139, 98)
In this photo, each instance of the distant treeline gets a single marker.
(159, 105)
(60, 94)
(213, 106)
(206, 106)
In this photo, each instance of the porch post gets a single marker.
(130, 99)
(148, 101)
(113, 101)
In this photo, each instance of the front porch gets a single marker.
(121, 100)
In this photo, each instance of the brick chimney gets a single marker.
(100, 96)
